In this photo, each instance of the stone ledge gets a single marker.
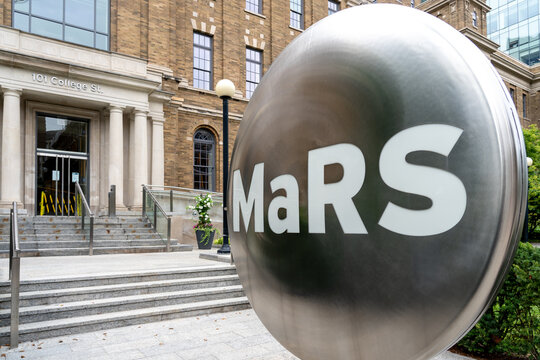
(215, 257)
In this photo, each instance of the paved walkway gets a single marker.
(234, 335)
(228, 336)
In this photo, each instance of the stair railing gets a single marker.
(173, 192)
(14, 275)
(86, 211)
(152, 210)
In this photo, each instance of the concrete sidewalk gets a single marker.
(233, 335)
(228, 336)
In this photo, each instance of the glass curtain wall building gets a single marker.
(514, 25)
(84, 22)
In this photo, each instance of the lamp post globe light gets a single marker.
(225, 90)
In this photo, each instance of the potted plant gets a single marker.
(204, 230)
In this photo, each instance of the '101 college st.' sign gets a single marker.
(378, 188)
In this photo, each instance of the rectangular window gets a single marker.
(254, 6)
(333, 7)
(512, 95)
(253, 70)
(83, 22)
(297, 14)
(524, 106)
(202, 61)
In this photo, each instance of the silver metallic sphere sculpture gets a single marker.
(377, 188)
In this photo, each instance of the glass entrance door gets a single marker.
(61, 161)
(56, 178)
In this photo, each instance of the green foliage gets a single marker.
(532, 144)
(512, 324)
(203, 204)
(218, 241)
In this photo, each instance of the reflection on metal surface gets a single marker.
(341, 125)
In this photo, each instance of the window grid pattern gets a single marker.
(204, 160)
(254, 6)
(514, 25)
(253, 70)
(83, 22)
(524, 100)
(202, 61)
(333, 7)
(297, 14)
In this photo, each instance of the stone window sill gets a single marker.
(295, 28)
(252, 13)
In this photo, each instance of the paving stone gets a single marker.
(212, 350)
(167, 356)
(127, 355)
(241, 336)
(252, 341)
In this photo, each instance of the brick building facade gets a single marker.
(143, 60)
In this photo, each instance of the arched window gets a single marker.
(474, 18)
(204, 160)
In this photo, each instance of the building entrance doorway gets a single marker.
(61, 161)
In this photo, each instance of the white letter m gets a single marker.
(254, 199)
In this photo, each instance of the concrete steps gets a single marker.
(54, 307)
(45, 297)
(57, 236)
(99, 250)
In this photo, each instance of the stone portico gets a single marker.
(119, 97)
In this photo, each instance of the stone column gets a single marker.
(116, 152)
(139, 150)
(158, 156)
(11, 148)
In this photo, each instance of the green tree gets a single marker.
(532, 144)
(512, 324)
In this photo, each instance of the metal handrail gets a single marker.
(174, 191)
(184, 189)
(157, 206)
(181, 190)
(14, 275)
(90, 215)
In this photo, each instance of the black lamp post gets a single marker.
(225, 90)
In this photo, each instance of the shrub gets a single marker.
(512, 324)
(532, 144)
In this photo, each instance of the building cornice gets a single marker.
(483, 43)
(431, 6)
(158, 69)
(204, 111)
(161, 96)
(481, 4)
(23, 43)
(183, 86)
(509, 65)
(30, 62)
